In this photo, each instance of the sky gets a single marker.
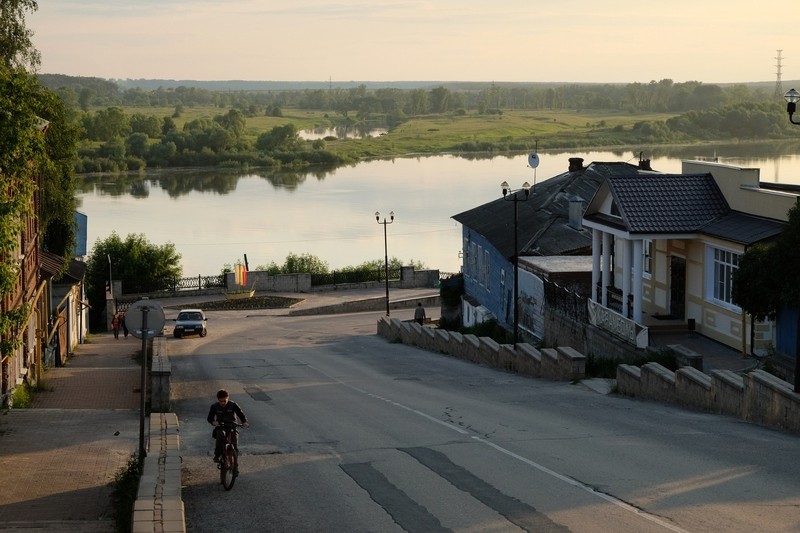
(588, 41)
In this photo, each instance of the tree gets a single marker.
(769, 273)
(16, 48)
(134, 260)
(279, 138)
(304, 263)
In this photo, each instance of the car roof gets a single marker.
(190, 311)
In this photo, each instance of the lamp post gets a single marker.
(385, 251)
(792, 97)
(514, 196)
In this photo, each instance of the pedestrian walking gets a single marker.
(124, 325)
(419, 314)
(115, 322)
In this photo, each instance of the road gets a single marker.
(352, 433)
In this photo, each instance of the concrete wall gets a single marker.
(158, 505)
(558, 364)
(757, 397)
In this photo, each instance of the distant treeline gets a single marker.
(656, 96)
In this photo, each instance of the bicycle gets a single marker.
(229, 461)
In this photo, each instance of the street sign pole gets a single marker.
(142, 451)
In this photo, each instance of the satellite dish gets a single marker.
(533, 160)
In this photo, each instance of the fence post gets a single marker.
(199, 283)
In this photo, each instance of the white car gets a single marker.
(190, 322)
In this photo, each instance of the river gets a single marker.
(215, 218)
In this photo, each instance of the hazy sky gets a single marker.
(394, 40)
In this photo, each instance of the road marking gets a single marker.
(575, 483)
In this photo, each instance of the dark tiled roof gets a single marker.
(544, 218)
(743, 228)
(50, 263)
(667, 203)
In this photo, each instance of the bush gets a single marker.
(126, 486)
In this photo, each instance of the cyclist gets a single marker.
(223, 415)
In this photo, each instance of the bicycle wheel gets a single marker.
(228, 467)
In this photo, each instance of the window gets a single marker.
(721, 266)
(647, 261)
(486, 268)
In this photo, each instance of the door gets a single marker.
(677, 287)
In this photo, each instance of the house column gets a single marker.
(606, 268)
(638, 271)
(627, 247)
(595, 262)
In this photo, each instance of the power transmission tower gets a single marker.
(778, 86)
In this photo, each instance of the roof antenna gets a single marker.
(533, 162)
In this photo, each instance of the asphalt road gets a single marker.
(353, 433)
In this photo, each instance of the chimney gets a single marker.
(575, 164)
(644, 164)
(575, 212)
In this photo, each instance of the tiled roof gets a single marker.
(667, 203)
(544, 218)
(743, 228)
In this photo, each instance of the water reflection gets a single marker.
(354, 131)
(214, 217)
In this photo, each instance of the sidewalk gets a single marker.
(60, 456)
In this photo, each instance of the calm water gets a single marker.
(215, 218)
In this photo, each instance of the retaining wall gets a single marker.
(158, 506)
(756, 397)
(550, 363)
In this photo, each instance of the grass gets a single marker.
(514, 130)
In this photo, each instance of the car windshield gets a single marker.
(190, 316)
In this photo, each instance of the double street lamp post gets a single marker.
(516, 196)
(385, 251)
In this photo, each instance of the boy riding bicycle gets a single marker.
(223, 415)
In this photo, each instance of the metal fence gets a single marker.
(176, 284)
(568, 301)
(356, 276)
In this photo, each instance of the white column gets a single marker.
(606, 267)
(638, 260)
(595, 262)
(626, 274)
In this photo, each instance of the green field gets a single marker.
(427, 134)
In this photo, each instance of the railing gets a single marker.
(176, 284)
(355, 276)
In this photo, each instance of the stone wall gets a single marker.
(551, 363)
(756, 397)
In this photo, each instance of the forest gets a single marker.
(134, 128)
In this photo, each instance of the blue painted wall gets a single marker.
(494, 290)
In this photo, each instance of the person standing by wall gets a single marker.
(419, 314)
(115, 322)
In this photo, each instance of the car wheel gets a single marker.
(203, 332)
(177, 334)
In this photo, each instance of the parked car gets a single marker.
(190, 322)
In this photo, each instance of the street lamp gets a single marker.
(792, 97)
(385, 251)
(514, 196)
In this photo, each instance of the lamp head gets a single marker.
(377, 216)
(792, 97)
(391, 216)
(505, 187)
